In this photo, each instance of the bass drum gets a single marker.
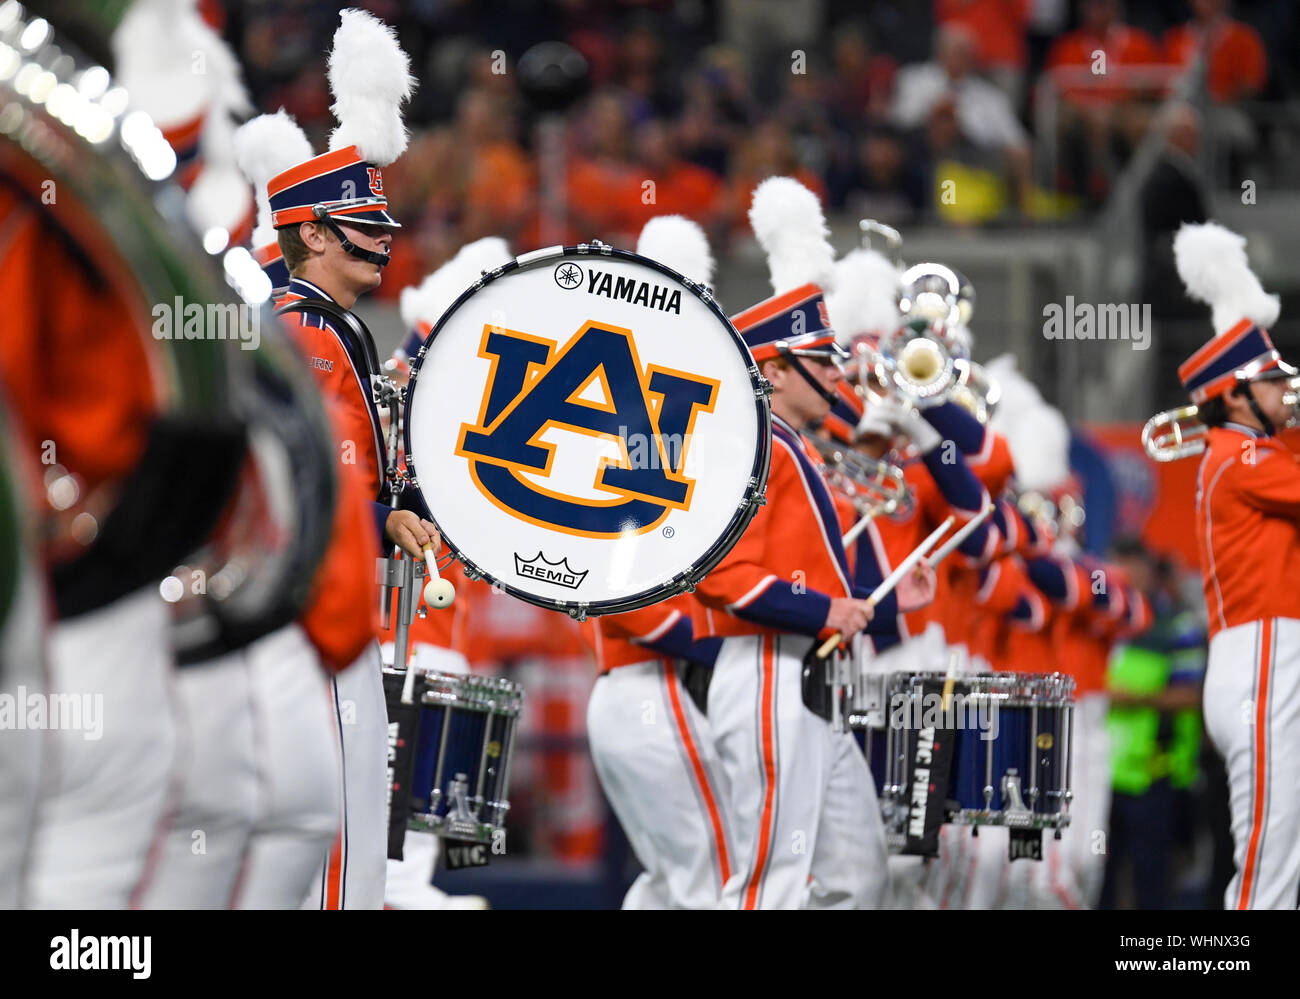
(588, 430)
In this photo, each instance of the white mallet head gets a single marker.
(438, 592)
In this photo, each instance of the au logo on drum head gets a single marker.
(596, 385)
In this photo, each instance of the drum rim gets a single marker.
(682, 582)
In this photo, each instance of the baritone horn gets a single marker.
(874, 486)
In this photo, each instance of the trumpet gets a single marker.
(1174, 434)
(938, 293)
(873, 485)
(922, 362)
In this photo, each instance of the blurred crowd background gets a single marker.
(1047, 148)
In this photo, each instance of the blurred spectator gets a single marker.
(862, 80)
(999, 28)
(882, 181)
(1104, 48)
(1154, 682)
(767, 151)
(718, 110)
(1236, 67)
(642, 68)
(1100, 71)
(668, 184)
(603, 188)
(1174, 193)
(962, 113)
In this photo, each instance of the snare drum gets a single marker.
(1011, 737)
(461, 777)
(587, 430)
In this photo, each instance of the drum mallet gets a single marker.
(893, 579)
(858, 528)
(951, 544)
(438, 592)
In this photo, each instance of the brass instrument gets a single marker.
(1174, 434)
(1177, 433)
(926, 358)
(873, 485)
(892, 237)
(936, 292)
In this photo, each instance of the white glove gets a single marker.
(908, 421)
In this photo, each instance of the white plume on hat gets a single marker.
(864, 295)
(265, 147)
(173, 65)
(791, 227)
(427, 301)
(370, 78)
(679, 243)
(1212, 262)
(1036, 433)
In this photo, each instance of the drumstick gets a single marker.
(951, 544)
(858, 528)
(438, 592)
(893, 579)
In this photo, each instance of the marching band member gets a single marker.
(808, 828)
(438, 638)
(218, 691)
(134, 488)
(651, 741)
(333, 231)
(1247, 511)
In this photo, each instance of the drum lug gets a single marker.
(595, 246)
(763, 388)
(578, 613)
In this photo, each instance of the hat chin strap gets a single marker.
(807, 375)
(1264, 421)
(369, 256)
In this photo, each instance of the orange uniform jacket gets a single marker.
(790, 563)
(1248, 527)
(640, 635)
(357, 421)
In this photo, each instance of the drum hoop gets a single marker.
(746, 509)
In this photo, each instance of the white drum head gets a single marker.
(587, 430)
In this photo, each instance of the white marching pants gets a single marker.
(202, 850)
(808, 826)
(1252, 712)
(297, 804)
(657, 765)
(353, 877)
(111, 777)
(22, 676)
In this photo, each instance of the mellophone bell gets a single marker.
(558, 425)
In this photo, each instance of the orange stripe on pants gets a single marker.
(701, 778)
(1261, 769)
(766, 701)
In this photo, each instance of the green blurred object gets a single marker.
(1148, 744)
